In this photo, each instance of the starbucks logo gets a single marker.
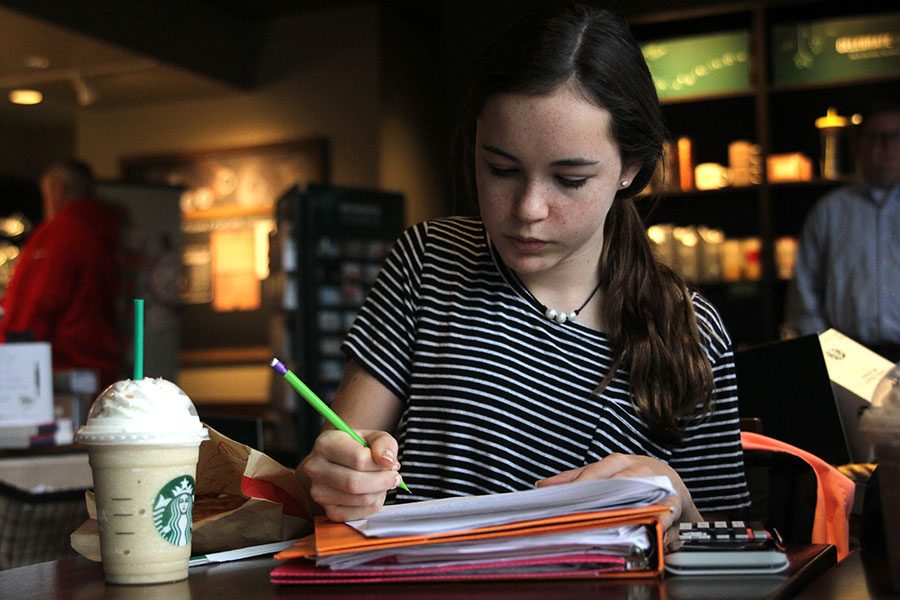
(172, 510)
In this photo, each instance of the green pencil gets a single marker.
(322, 408)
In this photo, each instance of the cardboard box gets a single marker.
(854, 371)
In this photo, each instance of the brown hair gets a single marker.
(646, 307)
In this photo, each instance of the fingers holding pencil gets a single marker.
(384, 449)
(379, 455)
(350, 481)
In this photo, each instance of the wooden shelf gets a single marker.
(817, 183)
(707, 98)
(225, 356)
(829, 86)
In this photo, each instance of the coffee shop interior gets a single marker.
(269, 151)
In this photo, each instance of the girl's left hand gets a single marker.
(681, 505)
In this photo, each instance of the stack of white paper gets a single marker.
(611, 541)
(470, 512)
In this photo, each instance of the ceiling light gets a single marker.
(25, 97)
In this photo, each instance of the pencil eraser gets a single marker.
(278, 366)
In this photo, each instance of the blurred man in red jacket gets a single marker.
(66, 287)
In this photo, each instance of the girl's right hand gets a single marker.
(348, 480)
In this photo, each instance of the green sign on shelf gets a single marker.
(836, 50)
(699, 65)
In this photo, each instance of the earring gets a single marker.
(624, 183)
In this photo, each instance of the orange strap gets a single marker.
(834, 492)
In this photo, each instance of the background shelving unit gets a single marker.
(779, 119)
(330, 245)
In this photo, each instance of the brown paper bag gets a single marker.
(242, 498)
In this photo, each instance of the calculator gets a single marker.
(726, 547)
(722, 535)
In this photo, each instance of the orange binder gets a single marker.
(338, 538)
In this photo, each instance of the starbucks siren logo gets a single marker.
(172, 510)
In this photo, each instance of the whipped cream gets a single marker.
(147, 411)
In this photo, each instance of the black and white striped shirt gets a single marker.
(497, 396)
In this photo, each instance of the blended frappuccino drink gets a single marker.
(143, 439)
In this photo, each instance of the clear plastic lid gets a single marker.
(147, 411)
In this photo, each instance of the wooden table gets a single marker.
(80, 579)
(857, 577)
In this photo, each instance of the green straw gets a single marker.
(138, 339)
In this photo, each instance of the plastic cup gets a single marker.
(143, 439)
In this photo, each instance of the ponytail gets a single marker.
(650, 320)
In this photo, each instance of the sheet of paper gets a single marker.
(497, 561)
(470, 512)
(239, 553)
(851, 365)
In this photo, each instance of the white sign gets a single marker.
(26, 384)
(851, 365)
(854, 371)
